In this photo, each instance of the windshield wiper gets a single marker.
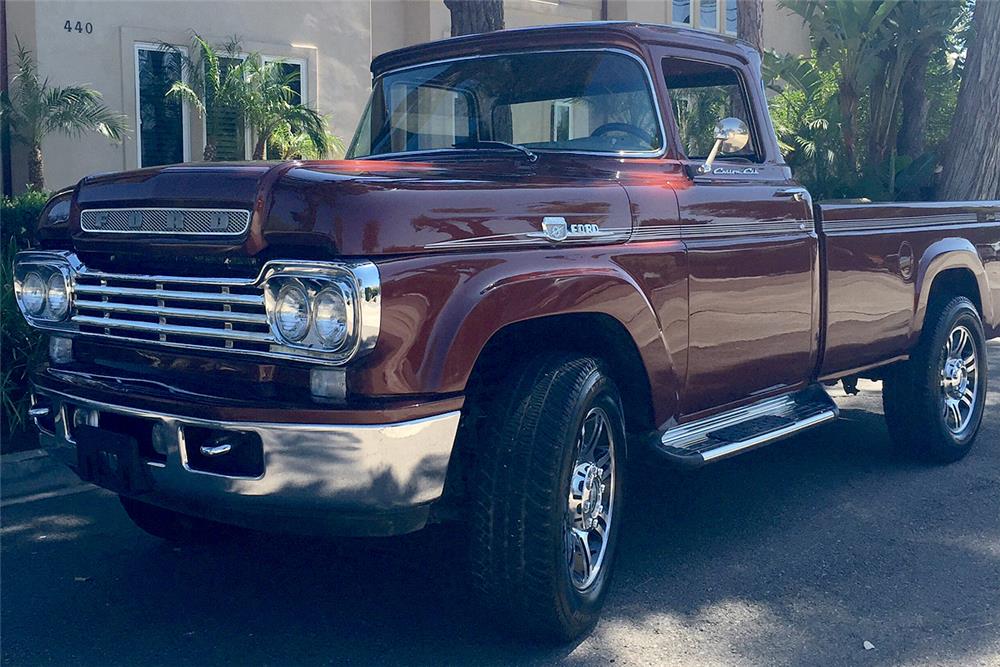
(483, 143)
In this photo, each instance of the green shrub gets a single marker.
(19, 344)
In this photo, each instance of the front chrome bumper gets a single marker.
(346, 479)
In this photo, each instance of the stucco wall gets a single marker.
(339, 31)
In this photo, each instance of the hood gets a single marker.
(359, 208)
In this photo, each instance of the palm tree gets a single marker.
(848, 37)
(35, 109)
(223, 82)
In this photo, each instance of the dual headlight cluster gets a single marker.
(310, 311)
(43, 288)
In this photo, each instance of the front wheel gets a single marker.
(934, 402)
(547, 497)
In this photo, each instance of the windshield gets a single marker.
(592, 101)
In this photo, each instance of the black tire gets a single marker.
(913, 395)
(520, 497)
(172, 526)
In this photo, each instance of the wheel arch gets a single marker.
(950, 267)
(585, 333)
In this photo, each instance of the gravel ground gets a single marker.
(822, 550)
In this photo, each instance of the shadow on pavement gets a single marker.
(792, 555)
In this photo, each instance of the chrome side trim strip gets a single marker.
(917, 223)
(723, 229)
(605, 235)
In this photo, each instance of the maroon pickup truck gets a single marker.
(548, 250)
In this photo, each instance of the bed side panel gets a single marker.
(881, 259)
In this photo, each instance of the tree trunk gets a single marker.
(474, 16)
(36, 177)
(972, 158)
(260, 147)
(848, 102)
(750, 22)
(911, 140)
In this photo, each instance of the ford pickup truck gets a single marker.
(548, 251)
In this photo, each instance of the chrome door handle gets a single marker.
(798, 194)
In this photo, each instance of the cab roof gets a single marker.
(624, 34)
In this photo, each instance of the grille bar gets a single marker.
(172, 295)
(165, 311)
(177, 330)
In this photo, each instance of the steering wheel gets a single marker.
(626, 128)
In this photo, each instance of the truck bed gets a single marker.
(876, 260)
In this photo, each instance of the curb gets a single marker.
(18, 457)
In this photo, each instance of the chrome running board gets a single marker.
(694, 444)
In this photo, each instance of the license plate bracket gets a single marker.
(111, 460)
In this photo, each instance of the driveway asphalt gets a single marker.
(822, 550)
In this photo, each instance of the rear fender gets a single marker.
(944, 255)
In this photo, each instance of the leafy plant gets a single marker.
(35, 109)
(220, 81)
(19, 344)
(885, 71)
(288, 144)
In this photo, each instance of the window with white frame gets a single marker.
(561, 122)
(713, 15)
(162, 133)
(730, 13)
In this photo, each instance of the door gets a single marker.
(752, 249)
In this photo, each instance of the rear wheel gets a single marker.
(547, 497)
(934, 402)
(172, 526)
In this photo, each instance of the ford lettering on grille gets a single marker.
(199, 221)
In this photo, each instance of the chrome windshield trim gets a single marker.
(621, 154)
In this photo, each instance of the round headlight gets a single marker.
(291, 313)
(330, 317)
(33, 294)
(58, 293)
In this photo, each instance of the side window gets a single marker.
(701, 94)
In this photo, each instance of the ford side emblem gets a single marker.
(555, 228)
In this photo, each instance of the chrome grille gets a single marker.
(207, 313)
(200, 221)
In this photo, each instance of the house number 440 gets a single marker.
(71, 26)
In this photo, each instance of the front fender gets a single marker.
(943, 255)
(440, 311)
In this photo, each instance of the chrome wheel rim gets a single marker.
(591, 499)
(959, 380)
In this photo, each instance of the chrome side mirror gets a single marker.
(731, 135)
